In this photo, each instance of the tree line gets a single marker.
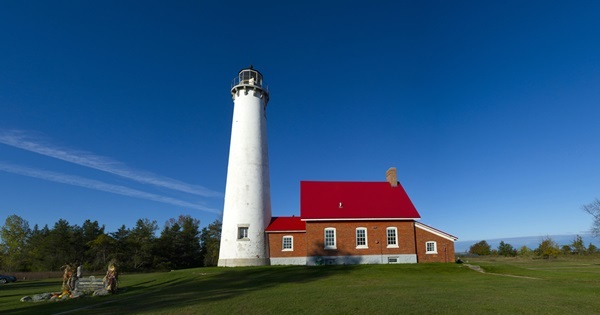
(181, 244)
(546, 249)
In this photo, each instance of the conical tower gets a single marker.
(247, 208)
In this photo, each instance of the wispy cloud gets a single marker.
(97, 185)
(25, 141)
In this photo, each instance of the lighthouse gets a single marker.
(247, 208)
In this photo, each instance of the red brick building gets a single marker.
(356, 223)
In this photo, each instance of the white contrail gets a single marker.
(22, 140)
(97, 185)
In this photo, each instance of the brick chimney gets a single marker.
(390, 176)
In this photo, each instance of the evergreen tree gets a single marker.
(577, 246)
(122, 247)
(179, 243)
(142, 243)
(210, 243)
(592, 249)
(190, 254)
(62, 245)
(505, 249)
(39, 249)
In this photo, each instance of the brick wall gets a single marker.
(445, 247)
(346, 238)
(276, 244)
(411, 240)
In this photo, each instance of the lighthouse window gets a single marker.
(242, 233)
(288, 243)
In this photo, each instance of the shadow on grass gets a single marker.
(188, 288)
(225, 284)
(193, 287)
(33, 284)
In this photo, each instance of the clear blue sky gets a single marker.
(120, 110)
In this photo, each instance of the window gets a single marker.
(243, 233)
(330, 238)
(392, 237)
(361, 237)
(430, 248)
(287, 243)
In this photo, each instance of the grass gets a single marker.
(562, 286)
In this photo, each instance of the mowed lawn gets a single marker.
(551, 287)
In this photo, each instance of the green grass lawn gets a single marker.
(561, 287)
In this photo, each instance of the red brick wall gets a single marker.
(445, 247)
(346, 238)
(276, 243)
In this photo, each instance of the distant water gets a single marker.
(530, 241)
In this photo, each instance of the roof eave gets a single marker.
(361, 219)
(435, 231)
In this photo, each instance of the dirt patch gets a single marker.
(479, 269)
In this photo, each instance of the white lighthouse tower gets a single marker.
(247, 209)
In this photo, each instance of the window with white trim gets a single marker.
(242, 233)
(361, 237)
(287, 243)
(392, 237)
(430, 247)
(330, 238)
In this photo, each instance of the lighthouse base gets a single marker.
(243, 262)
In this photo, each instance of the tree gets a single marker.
(122, 249)
(15, 235)
(525, 251)
(566, 250)
(577, 246)
(61, 240)
(547, 248)
(481, 248)
(179, 243)
(592, 249)
(90, 231)
(190, 254)
(593, 209)
(210, 243)
(142, 243)
(505, 249)
(166, 246)
(39, 248)
(101, 251)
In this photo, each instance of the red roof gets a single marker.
(286, 224)
(354, 200)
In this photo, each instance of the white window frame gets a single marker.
(291, 238)
(333, 236)
(243, 233)
(387, 236)
(433, 250)
(366, 244)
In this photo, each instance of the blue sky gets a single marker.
(120, 110)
